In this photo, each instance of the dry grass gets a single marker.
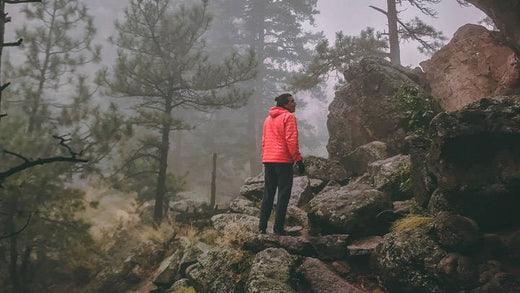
(190, 232)
(409, 222)
(235, 234)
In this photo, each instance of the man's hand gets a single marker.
(301, 167)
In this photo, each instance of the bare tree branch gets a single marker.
(19, 231)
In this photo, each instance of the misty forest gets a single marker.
(131, 130)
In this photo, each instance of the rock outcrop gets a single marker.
(476, 64)
(364, 110)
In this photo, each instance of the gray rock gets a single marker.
(241, 205)
(364, 246)
(168, 270)
(389, 174)
(324, 169)
(407, 262)
(351, 209)
(475, 159)
(322, 280)
(356, 162)
(253, 192)
(301, 192)
(271, 272)
(458, 271)
(364, 110)
(317, 184)
(254, 180)
(457, 233)
(221, 221)
(213, 271)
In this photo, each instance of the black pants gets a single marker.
(277, 175)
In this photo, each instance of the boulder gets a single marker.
(323, 280)
(254, 180)
(356, 162)
(407, 262)
(168, 271)
(364, 109)
(474, 65)
(221, 221)
(253, 192)
(351, 209)
(390, 175)
(330, 247)
(324, 169)
(214, 271)
(301, 191)
(474, 158)
(242, 205)
(501, 282)
(364, 246)
(458, 271)
(271, 272)
(294, 245)
(457, 233)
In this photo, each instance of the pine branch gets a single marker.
(19, 231)
(21, 1)
(29, 163)
(14, 44)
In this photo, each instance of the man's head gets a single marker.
(286, 101)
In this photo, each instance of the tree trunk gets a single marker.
(393, 33)
(163, 164)
(13, 249)
(506, 16)
(213, 183)
(258, 10)
(2, 31)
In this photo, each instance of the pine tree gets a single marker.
(163, 65)
(428, 38)
(275, 30)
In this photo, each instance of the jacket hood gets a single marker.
(277, 111)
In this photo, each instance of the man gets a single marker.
(279, 152)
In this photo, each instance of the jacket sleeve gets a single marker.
(291, 138)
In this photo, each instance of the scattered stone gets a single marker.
(242, 205)
(324, 169)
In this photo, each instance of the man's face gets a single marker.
(291, 105)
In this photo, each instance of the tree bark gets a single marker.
(393, 33)
(163, 163)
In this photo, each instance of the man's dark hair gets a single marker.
(282, 99)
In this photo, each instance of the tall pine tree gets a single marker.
(163, 65)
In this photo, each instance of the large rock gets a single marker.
(214, 271)
(322, 280)
(271, 272)
(301, 191)
(356, 162)
(407, 261)
(253, 192)
(242, 205)
(475, 64)
(457, 233)
(351, 209)
(324, 169)
(389, 175)
(474, 158)
(364, 110)
(246, 222)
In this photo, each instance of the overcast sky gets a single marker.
(351, 16)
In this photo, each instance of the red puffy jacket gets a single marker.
(280, 138)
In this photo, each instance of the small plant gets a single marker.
(417, 109)
(409, 222)
(235, 234)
